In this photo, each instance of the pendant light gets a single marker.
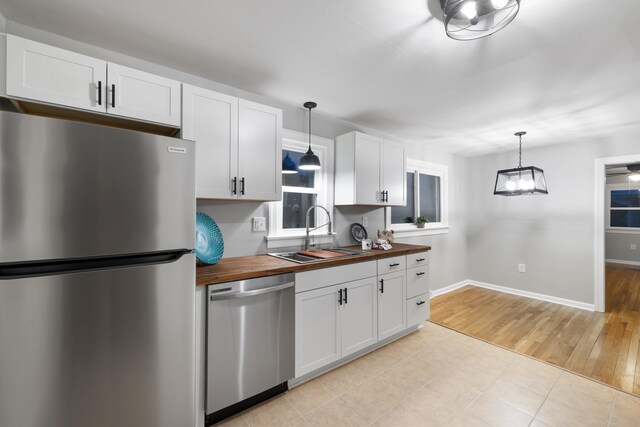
(474, 19)
(309, 162)
(288, 165)
(521, 180)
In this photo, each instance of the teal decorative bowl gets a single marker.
(209, 243)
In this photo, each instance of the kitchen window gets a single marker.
(427, 191)
(623, 212)
(287, 218)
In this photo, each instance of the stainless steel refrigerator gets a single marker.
(97, 276)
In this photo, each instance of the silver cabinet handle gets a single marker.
(241, 294)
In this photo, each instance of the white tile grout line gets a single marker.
(545, 398)
(613, 408)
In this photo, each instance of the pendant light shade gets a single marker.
(521, 180)
(288, 165)
(309, 161)
(474, 19)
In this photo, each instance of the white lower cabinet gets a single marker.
(417, 310)
(318, 339)
(391, 304)
(359, 314)
(334, 322)
(376, 300)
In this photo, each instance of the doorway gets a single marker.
(616, 226)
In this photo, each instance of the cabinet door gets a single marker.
(143, 96)
(391, 304)
(317, 329)
(394, 176)
(359, 316)
(259, 152)
(47, 74)
(367, 169)
(211, 120)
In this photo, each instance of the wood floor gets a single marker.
(602, 346)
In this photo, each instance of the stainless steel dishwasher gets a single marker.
(250, 343)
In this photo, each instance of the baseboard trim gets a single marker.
(621, 261)
(449, 288)
(512, 291)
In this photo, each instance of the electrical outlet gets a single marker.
(634, 247)
(522, 268)
(259, 223)
(365, 221)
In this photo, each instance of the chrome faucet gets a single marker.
(306, 239)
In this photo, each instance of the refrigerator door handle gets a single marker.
(47, 268)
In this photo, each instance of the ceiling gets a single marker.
(563, 70)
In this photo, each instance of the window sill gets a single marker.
(622, 230)
(297, 240)
(415, 231)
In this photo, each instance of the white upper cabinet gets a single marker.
(394, 176)
(144, 96)
(367, 178)
(211, 119)
(45, 74)
(259, 151)
(369, 171)
(238, 145)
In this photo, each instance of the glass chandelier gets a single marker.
(474, 19)
(521, 180)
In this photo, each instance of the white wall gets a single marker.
(553, 234)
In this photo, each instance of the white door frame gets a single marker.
(600, 181)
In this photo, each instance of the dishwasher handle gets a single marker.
(229, 293)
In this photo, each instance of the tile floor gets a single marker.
(439, 377)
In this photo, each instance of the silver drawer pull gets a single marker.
(420, 260)
(421, 302)
(422, 273)
(395, 264)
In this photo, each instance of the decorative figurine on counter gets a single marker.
(385, 238)
(386, 235)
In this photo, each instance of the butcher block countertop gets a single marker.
(249, 267)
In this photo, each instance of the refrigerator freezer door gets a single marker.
(71, 190)
(102, 348)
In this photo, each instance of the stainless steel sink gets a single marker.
(304, 259)
(347, 251)
(296, 257)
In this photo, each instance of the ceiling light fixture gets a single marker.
(288, 165)
(309, 162)
(474, 19)
(521, 180)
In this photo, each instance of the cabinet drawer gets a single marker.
(417, 260)
(315, 279)
(391, 265)
(418, 309)
(417, 281)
